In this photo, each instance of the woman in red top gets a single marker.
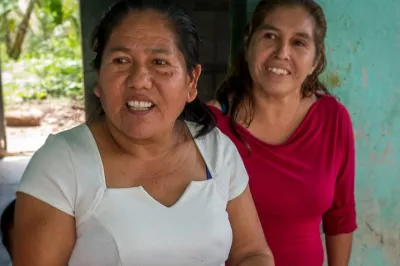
(295, 139)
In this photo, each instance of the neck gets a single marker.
(276, 109)
(151, 148)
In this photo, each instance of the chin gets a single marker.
(131, 129)
(139, 132)
(278, 90)
(273, 91)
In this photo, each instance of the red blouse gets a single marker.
(306, 180)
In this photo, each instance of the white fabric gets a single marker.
(127, 226)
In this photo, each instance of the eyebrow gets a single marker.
(159, 51)
(119, 49)
(151, 50)
(303, 35)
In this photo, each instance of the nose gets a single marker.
(139, 77)
(282, 51)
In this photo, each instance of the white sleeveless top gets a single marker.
(127, 226)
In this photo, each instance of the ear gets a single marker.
(97, 91)
(192, 92)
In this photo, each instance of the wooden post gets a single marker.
(3, 137)
(91, 12)
(238, 21)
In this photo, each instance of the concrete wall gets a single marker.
(364, 55)
(364, 72)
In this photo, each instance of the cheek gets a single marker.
(110, 82)
(111, 92)
(163, 75)
(258, 55)
(173, 92)
(305, 64)
(173, 89)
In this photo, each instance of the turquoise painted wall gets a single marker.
(363, 48)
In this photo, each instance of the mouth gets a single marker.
(279, 71)
(139, 105)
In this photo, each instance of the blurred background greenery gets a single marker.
(40, 49)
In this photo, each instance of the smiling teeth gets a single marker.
(139, 105)
(278, 71)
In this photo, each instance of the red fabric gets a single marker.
(306, 180)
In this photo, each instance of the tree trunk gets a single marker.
(14, 51)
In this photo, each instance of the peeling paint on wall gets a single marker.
(370, 88)
(333, 80)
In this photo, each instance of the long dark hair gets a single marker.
(187, 41)
(237, 85)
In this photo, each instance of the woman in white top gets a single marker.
(140, 185)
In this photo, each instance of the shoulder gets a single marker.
(50, 174)
(222, 120)
(223, 161)
(216, 146)
(60, 145)
(215, 140)
(338, 121)
(215, 107)
(333, 104)
(64, 171)
(333, 108)
(57, 156)
(214, 104)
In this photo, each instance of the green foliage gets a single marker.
(50, 64)
(7, 6)
(42, 78)
(54, 7)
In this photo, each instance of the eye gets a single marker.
(159, 62)
(120, 60)
(299, 43)
(269, 35)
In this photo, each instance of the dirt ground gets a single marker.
(54, 116)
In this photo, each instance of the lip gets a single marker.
(139, 112)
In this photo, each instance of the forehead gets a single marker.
(143, 30)
(291, 20)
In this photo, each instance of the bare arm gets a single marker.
(338, 249)
(43, 235)
(249, 246)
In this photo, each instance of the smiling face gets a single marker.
(143, 78)
(281, 52)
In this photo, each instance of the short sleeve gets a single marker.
(239, 177)
(341, 217)
(49, 176)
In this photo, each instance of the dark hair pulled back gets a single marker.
(187, 41)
